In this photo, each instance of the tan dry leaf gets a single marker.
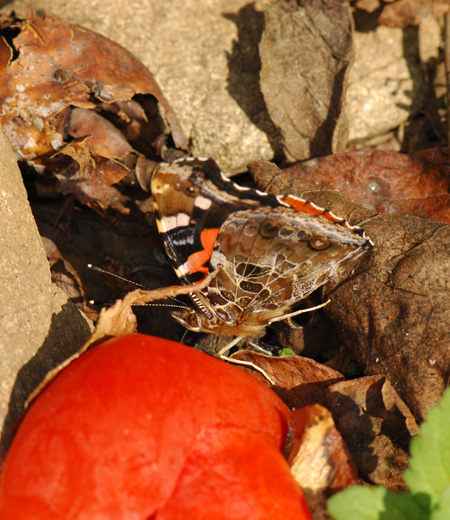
(319, 459)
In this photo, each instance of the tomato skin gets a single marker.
(109, 437)
(235, 473)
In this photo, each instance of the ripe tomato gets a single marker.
(115, 434)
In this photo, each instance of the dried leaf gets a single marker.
(393, 312)
(305, 53)
(53, 76)
(297, 380)
(104, 138)
(376, 426)
(387, 182)
(63, 273)
(319, 459)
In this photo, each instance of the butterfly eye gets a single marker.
(318, 244)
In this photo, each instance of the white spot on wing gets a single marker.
(202, 203)
(169, 223)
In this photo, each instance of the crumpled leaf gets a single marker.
(305, 53)
(319, 459)
(376, 426)
(297, 380)
(64, 87)
(372, 419)
(387, 182)
(393, 312)
(401, 13)
(63, 273)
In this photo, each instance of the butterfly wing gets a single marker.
(269, 258)
(192, 199)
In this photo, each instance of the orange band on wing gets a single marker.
(208, 238)
(196, 262)
(302, 205)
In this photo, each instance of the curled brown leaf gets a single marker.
(376, 426)
(60, 83)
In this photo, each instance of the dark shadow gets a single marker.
(424, 128)
(61, 342)
(244, 66)
(321, 143)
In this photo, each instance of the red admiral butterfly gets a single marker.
(268, 252)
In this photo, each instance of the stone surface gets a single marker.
(385, 84)
(38, 326)
(25, 284)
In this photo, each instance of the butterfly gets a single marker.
(266, 252)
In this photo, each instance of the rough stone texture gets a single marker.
(385, 84)
(25, 284)
(38, 326)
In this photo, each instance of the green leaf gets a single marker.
(429, 466)
(361, 503)
(286, 352)
(442, 512)
(357, 503)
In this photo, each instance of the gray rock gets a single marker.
(25, 284)
(39, 328)
(385, 84)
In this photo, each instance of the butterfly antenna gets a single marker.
(162, 305)
(114, 275)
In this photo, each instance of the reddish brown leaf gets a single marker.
(53, 75)
(319, 458)
(297, 380)
(103, 138)
(387, 182)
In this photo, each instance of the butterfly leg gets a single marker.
(229, 346)
(300, 311)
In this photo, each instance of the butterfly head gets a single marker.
(203, 317)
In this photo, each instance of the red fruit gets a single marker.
(110, 436)
(235, 473)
